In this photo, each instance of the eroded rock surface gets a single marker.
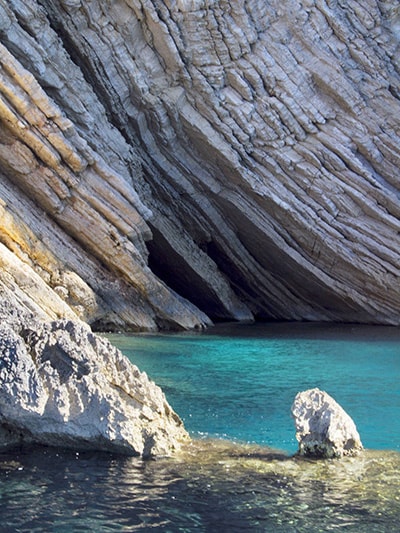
(164, 163)
(61, 385)
(323, 428)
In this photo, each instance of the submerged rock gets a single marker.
(62, 385)
(323, 428)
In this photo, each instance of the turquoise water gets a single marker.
(238, 382)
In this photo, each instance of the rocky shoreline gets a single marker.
(167, 166)
(62, 385)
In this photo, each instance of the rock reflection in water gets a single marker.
(210, 486)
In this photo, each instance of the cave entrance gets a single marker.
(168, 265)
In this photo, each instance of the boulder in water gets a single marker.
(323, 428)
(62, 385)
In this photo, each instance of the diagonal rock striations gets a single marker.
(164, 164)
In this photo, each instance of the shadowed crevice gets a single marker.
(175, 271)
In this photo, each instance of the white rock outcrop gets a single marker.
(61, 385)
(323, 428)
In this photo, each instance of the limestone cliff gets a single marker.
(164, 163)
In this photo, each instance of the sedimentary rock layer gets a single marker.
(167, 163)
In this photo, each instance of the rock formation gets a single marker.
(62, 385)
(165, 164)
(323, 428)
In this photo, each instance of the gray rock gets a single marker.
(323, 428)
(164, 163)
(62, 385)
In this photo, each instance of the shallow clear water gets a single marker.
(238, 383)
(211, 487)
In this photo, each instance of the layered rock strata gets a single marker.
(163, 164)
(61, 385)
(323, 428)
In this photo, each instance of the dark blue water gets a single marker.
(237, 383)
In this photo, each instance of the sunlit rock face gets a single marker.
(61, 385)
(164, 164)
(323, 428)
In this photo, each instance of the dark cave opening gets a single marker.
(177, 273)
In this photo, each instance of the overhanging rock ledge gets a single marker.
(169, 164)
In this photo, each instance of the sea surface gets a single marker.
(233, 386)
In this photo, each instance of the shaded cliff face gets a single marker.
(167, 163)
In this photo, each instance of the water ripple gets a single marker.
(210, 486)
